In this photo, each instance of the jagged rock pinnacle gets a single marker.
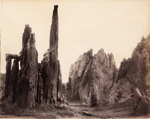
(55, 9)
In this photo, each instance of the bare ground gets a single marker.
(75, 110)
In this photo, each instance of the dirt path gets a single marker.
(75, 110)
(105, 112)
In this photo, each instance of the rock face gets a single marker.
(45, 75)
(13, 81)
(103, 75)
(133, 80)
(2, 86)
(91, 77)
(96, 80)
(59, 81)
(8, 75)
(27, 84)
(54, 63)
(51, 73)
(11, 77)
(21, 85)
(54, 32)
(39, 96)
(34, 83)
(79, 80)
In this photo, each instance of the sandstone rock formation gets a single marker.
(96, 80)
(79, 80)
(103, 75)
(2, 86)
(45, 75)
(51, 73)
(11, 76)
(91, 77)
(34, 83)
(133, 78)
(8, 75)
(27, 84)
(20, 86)
(13, 80)
(39, 96)
(53, 43)
(54, 62)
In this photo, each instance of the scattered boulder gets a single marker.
(87, 113)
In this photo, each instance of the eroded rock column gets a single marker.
(27, 85)
(8, 75)
(54, 63)
(13, 80)
(51, 73)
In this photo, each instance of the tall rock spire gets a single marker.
(26, 88)
(54, 32)
(34, 83)
(54, 62)
(51, 73)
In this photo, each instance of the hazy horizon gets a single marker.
(115, 26)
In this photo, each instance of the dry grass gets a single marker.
(43, 111)
(48, 111)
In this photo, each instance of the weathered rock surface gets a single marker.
(39, 96)
(27, 84)
(45, 75)
(8, 75)
(79, 80)
(54, 62)
(54, 32)
(34, 83)
(103, 75)
(13, 81)
(51, 73)
(2, 85)
(96, 80)
(59, 82)
(91, 77)
(11, 74)
(21, 86)
(51, 78)
(134, 77)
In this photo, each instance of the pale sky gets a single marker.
(114, 25)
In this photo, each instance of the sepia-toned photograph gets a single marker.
(75, 59)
